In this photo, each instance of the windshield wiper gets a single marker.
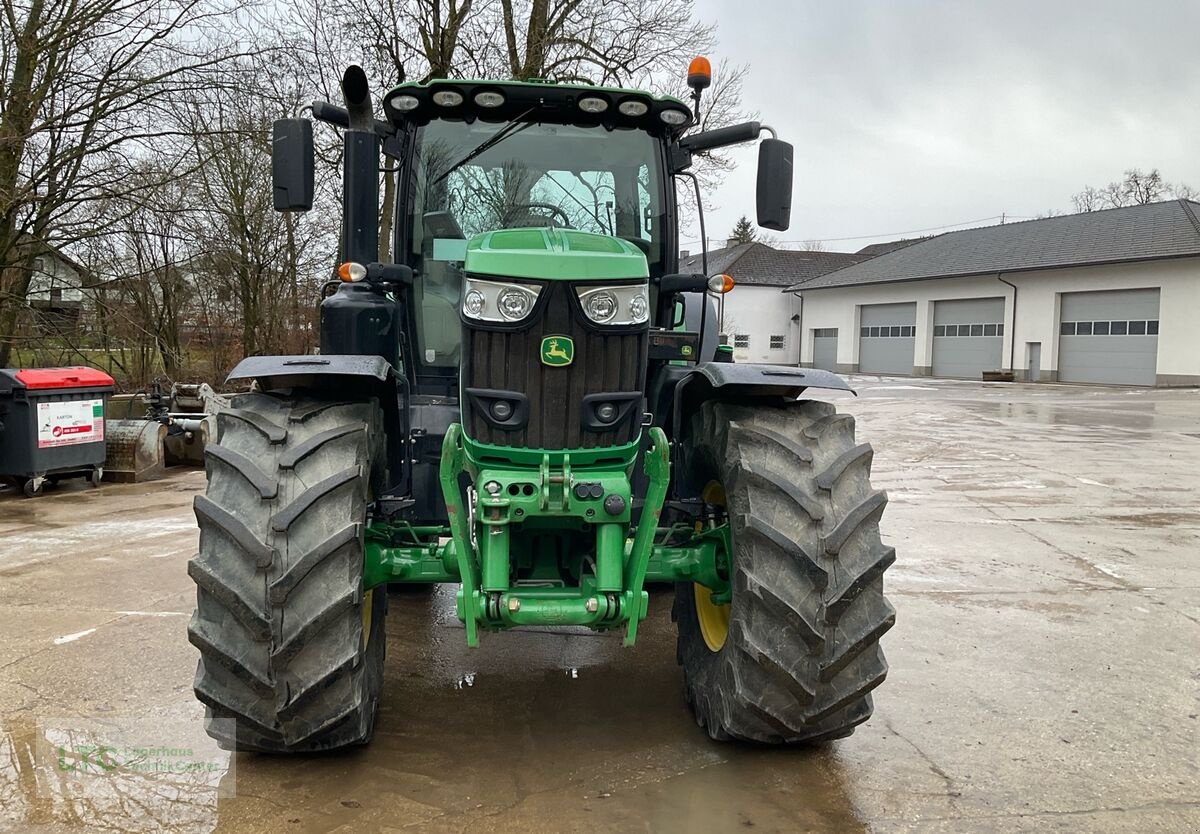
(510, 129)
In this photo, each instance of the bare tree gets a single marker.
(84, 92)
(1136, 189)
(632, 43)
(1088, 200)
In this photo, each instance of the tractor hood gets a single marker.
(554, 255)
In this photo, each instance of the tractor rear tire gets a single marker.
(291, 646)
(800, 652)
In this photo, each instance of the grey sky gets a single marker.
(909, 115)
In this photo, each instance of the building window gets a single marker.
(777, 343)
(1135, 327)
(831, 332)
(958, 331)
(741, 340)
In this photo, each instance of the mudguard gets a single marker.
(344, 377)
(731, 380)
(274, 372)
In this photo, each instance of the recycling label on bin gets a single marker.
(69, 423)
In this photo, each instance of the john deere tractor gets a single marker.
(530, 403)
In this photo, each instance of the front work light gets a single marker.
(674, 117)
(592, 104)
(447, 98)
(405, 103)
(489, 99)
(633, 107)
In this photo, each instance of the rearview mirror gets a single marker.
(774, 184)
(292, 164)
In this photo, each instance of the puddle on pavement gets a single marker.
(143, 773)
(533, 731)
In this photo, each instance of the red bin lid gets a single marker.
(78, 377)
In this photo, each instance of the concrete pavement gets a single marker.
(1045, 665)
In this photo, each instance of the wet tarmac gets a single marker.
(1045, 666)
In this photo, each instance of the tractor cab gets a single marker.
(484, 157)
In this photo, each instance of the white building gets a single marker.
(1101, 297)
(759, 320)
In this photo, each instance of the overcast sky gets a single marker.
(911, 115)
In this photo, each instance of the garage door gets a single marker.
(968, 337)
(825, 348)
(1109, 337)
(885, 344)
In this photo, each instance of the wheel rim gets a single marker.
(712, 618)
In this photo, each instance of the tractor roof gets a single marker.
(536, 100)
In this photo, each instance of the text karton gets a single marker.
(69, 423)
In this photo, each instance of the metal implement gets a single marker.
(159, 429)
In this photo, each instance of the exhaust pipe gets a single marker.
(360, 172)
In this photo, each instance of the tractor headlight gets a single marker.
(474, 302)
(498, 301)
(622, 304)
(515, 303)
(600, 305)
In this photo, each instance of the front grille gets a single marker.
(510, 360)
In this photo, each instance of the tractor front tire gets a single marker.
(794, 656)
(291, 646)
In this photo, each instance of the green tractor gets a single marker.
(531, 403)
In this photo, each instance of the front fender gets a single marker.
(766, 379)
(731, 380)
(275, 372)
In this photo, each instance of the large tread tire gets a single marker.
(280, 608)
(802, 651)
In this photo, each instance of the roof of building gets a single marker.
(876, 249)
(1134, 233)
(757, 264)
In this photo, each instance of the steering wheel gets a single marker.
(557, 214)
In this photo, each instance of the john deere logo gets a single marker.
(557, 351)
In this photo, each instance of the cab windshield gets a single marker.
(587, 178)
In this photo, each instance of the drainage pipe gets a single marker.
(1012, 330)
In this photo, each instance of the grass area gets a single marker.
(133, 369)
